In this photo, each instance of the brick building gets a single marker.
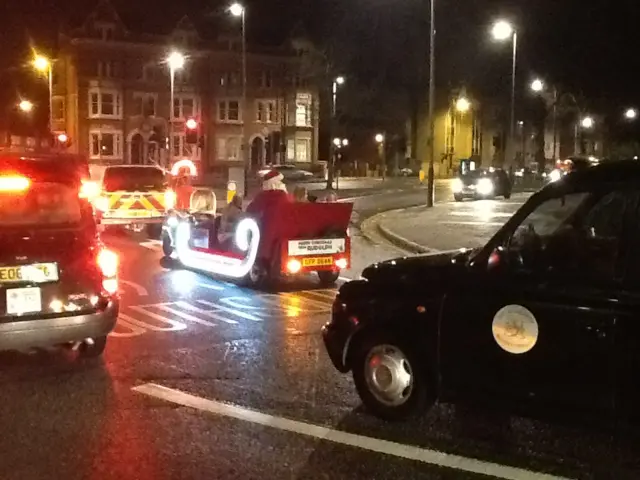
(111, 95)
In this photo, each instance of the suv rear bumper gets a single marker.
(130, 221)
(53, 331)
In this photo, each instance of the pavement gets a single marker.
(203, 379)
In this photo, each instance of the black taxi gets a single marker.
(58, 282)
(545, 318)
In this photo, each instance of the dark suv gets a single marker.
(482, 183)
(58, 283)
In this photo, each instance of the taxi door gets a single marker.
(537, 336)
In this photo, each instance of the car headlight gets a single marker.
(457, 185)
(484, 186)
(555, 175)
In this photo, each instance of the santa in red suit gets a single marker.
(266, 208)
(274, 193)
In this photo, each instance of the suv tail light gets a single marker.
(101, 204)
(108, 263)
(89, 190)
(169, 199)
(14, 183)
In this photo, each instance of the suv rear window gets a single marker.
(43, 204)
(132, 179)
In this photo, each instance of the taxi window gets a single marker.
(579, 234)
(43, 205)
(132, 179)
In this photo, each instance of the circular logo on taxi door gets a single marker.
(515, 329)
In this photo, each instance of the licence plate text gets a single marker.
(38, 272)
(317, 261)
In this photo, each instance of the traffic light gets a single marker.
(191, 131)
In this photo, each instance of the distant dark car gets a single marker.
(481, 183)
(289, 172)
(542, 320)
(58, 283)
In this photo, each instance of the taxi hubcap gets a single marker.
(389, 375)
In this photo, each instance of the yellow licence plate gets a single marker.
(317, 261)
(38, 272)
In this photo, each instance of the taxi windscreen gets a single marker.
(132, 179)
(41, 204)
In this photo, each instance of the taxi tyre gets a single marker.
(457, 197)
(507, 195)
(258, 277)
(167, 248)
(423, 393)
(154, 230)
(95, 350)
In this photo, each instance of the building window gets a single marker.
(181, 149)
(229, 111)
(229, 79)
(228, 148)
(266, 111)
(184, 107)
(57, 108)
(266, 79)
(105, 144)
(107, 69)
(104, 103)
(449, 134)
(145, 104)
(476, 148)
(183, 76)
(150, 73)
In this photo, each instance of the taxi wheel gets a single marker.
(167, 248)
(258, 276)
(328, 277)
(391, 380)
(507, 195)
(457, 198)
(95, 350)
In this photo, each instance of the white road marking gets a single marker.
(345, 279)
(186, 316)
(206, 313)
(211, 287)
(483, 224)
(174, 324)
(141, 291)
(233, 311)
(409, 452)
(151, 244)
(123, 321)
(475, 213)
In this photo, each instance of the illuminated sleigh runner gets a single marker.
(299, 239)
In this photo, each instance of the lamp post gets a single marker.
(502, 31)
(239, 11)
(432, 97)
(379, 138)
(176, 62)
(586, 123)
(43, 65)
(337, 82)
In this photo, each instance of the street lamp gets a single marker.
(239, 11)
(345, 142)
(379, 138)
(631, 114)
(537, 85)
(26, 106)
(587, 122)
(43, 65)
(502, 31)
(337, 81)
(463, 105)
(176, 62)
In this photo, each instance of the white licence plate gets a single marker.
(23, 300)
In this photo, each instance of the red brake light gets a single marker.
(108, 262)
(14, 183)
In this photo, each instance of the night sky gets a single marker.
(585, 46)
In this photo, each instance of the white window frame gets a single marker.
(107, 69)
(142, 97)
(223, 114)
(117, 103)
(265, 104)
(191, 152)
(118, 147)
(179, 99)
(307, 149)
(220, 145)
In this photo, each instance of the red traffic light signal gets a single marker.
(191, 124)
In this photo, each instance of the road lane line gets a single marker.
(327, 296)
(296, 299)
(175, 325)
(140, 290)
(345, 279)
(206, 313)
(233, 311)
(186, 316)
(408, 452)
